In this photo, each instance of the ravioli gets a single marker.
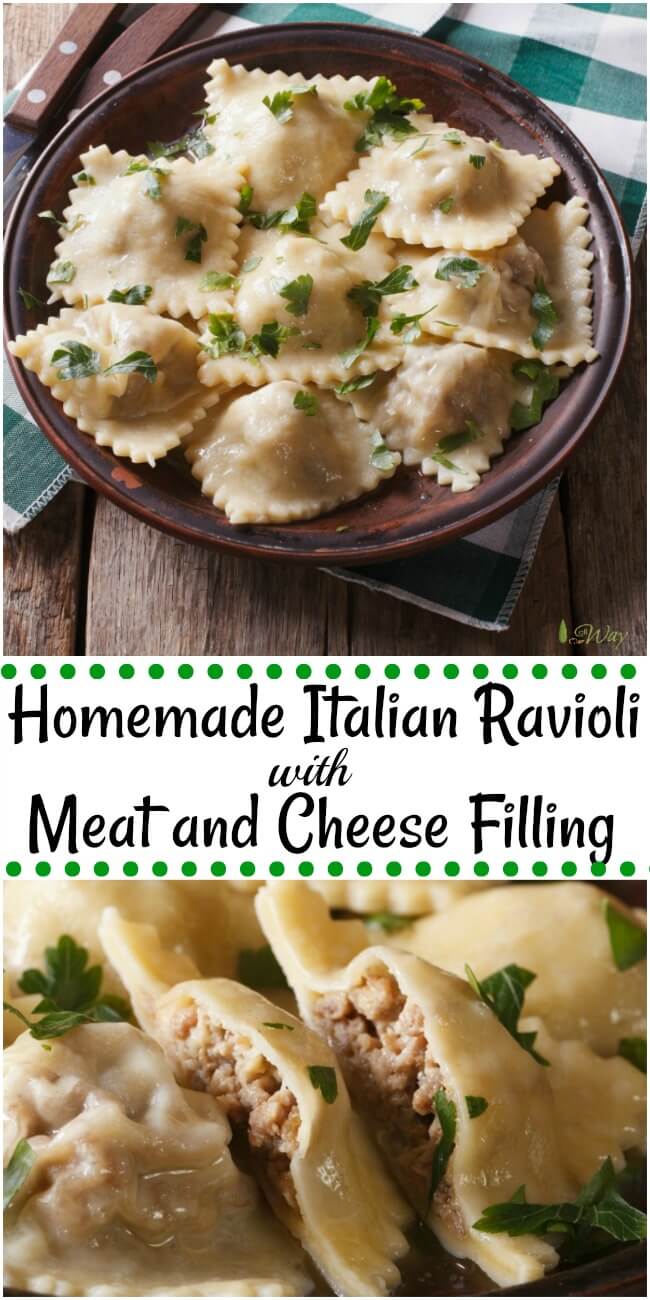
(557, 931)
(403, 898)
(280, 153)
(447, 408)
(320, 324)
(264, 458)
(127, 411)
(164, 228)
(560, 236)
(417, 1046)
(446, 189)
(279, 1084)
(133, 1190)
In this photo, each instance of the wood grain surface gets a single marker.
(87, 578)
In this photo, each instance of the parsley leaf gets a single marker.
(197, 236)
(29, 301)
(278, 1024)
(270, 338)
(368, 294)
(359, 232)
(598, 1206)
(245, 199)
(452, 441)
(79, 360)
(218, 280)
(389, 113)
(258, 968)
(503, 992)
(134, 297)
(306, 402)
(136, 363)
(476, 1106)
(350, 355)
(453, 137)
(628, 940)
(389, 921)
(381, 457)
(465, 270)
(225, 335)
(323, 1077)
(409, 324)
(297, 293)
(546, 387)
(61, 273)
(477, 160)
(541, 306)
(353, 385)
(17, 1171)
(153, 175)
(445, 205)
(250, 265)
(195, 142)
(70, 992)
(281, 106)
(446, 1111)
(296, 218)
(84, 178)
(635, 1050)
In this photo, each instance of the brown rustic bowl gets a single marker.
(411, 513)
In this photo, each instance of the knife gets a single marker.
(144, 39)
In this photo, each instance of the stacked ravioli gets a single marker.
(327, 283)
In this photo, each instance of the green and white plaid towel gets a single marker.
(587, 61)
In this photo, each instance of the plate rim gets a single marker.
(331, 554)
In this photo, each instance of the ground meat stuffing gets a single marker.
(378, 1035)
(213, 1059)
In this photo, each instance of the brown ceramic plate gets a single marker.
(410, 513)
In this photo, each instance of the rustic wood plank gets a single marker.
(604, 502)
(43, 563)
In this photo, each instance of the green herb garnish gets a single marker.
(49, 215)
(295, 219)
(218, 280)
(452, 441)
(350, 355)
(306, 402)
(503, 992)
(258, 968)
(70, 993)
(153, 175)
(61, 273)
(445, 1109)
(477, 160)
(250, 265)
(546, 387)
(226, 335)
(278, 1024)
(389, 921)
(453, 137)
(476, 1106)
(542, 308)
(381, 456)
(195, 142)
(270, 338)
(29, 300)
(445, 205)
(79, 360)
(410, 325)
(17, 1171)
(353, 385)
(84, 178)
(323, 1077)
(465, 270)
(627, 939)
(389, 113)
(368, 294)
(281, 106)
(297, 293)
(635, 1050)
(598, 1206)
(359, 232)
(133, 297)
(141, 363)
(197, 236)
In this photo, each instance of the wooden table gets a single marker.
(86, 578)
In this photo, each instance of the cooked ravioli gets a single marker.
(437, 195)
(280, 151)
(416, 1046)
(447, 408)
(560, 236)
(557, 931)
(279, 1084)
(301, 284)
(403, 898)
(133, 1190)
(164, 226)
(139, 412)
(265, 458)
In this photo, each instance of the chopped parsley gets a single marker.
(453, 137)
(294, 219)
(542, 308)
(29, 300)
(628, 940)
(389, 113)
(197, 236)
(464, 270)
(141, 363)
(195, 142)
(446, 205)
(153, 175)
(270, 338)
(245, 199)
(323, 1077)
(350, 355)
(476, 1106)
(353, 385)
(80, 362)
(70, 993)
(296, 294)
(368, 294)
(278, 1024)
(599, 1206)
(503, 992)
(546, 387)
(218, 280)
(133, 297)
(306, 402)
(445, 1109)
(225, 336)
(381, 457)
(477, 160)
(84, 178)
(250, 265)
(409, 325)
(61, 273)
(359, 232)
(635, 1050)
(389, 921)
(452, 441)
(17, 1171)
(258, 968)
(281, 106)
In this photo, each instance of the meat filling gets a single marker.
(211, 1058)
(378, 1036)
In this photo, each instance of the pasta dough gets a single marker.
(118, 234)
(329, 326)
(559, 932)
(561, 238)
(123, 410)
(263, 458)
(319, 1171)
(281, 157)
(133, 1191)
(489, 199)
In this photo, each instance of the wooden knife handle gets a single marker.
(152, 34)
(80, 37)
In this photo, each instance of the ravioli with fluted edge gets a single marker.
(406, 283)
(132, 1189)
(280, 1085)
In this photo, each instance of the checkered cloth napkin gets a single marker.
(587, 62)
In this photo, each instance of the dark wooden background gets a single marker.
(86, 578)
